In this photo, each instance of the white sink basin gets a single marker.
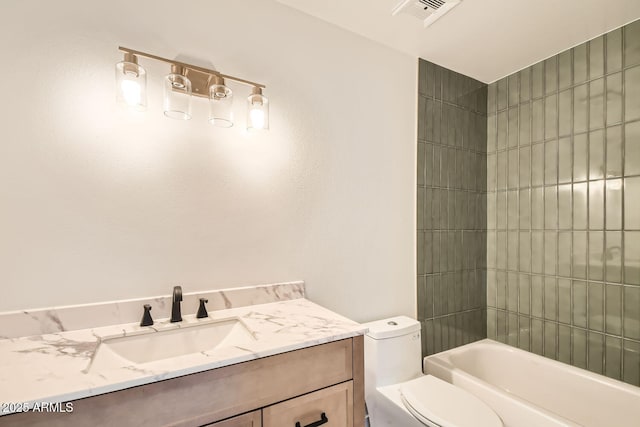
(165, 344)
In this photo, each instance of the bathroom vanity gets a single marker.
(301, 365)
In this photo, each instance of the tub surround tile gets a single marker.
(613, 357)
(453, 206)
(632, 148)
(564, 344)
(631, 364)
(613, 309)
(614, 50)
(596, 352)
(632, 43)
(537, 336)
(550, 338)
(614, 99)
(556, 207)
(631, 300)
(632, 93)
(579, 345)
(60, 319)
(56, 366)
(576, 178)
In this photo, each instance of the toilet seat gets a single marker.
(434, 401)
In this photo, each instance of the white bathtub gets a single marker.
(528, 390)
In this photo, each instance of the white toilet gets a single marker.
(398, 394)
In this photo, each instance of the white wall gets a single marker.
(97, 203)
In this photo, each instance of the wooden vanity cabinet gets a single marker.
(275, 391)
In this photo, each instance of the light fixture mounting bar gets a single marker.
(201, 77)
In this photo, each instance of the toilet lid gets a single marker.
(431, 399)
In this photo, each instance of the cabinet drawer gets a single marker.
(335, 402)
(253, 419)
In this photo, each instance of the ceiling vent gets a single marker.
(427, 11)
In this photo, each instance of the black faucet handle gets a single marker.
(202, 310)
(146, 317)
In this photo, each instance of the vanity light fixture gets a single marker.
(183, 81)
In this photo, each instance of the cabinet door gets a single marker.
(252, 419)
(329, 407)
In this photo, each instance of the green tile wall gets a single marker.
(563, 218)
(451, 212)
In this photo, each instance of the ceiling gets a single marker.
(484, 39)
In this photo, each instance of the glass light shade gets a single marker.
(131, 85)
(257, 111)
(177, 97)
(220, 102)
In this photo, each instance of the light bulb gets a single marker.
(131, 84)
(256, 116)
(130, 92)
(257, 110)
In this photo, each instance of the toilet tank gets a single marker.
(392, 351)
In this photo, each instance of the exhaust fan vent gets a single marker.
(427, 11)
(433, 4)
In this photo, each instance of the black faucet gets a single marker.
(176, 315)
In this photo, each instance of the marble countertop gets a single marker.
(57, 367)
